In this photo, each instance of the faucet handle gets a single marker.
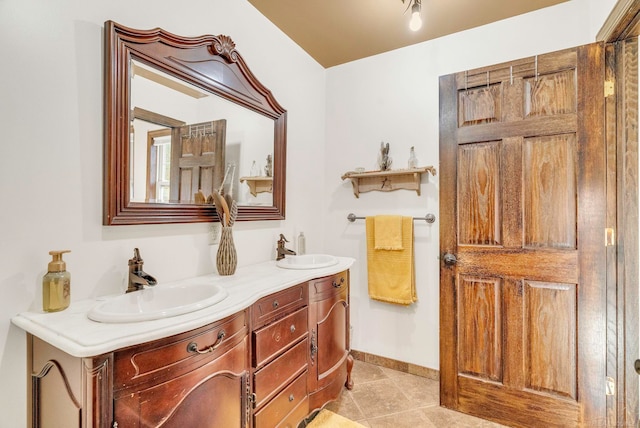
(136, 257)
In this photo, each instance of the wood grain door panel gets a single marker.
(479, 188)
(550, 338)
(480, 327)
(522, 203)
(549, 184)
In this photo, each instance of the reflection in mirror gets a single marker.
(175, 170)
(185, 117)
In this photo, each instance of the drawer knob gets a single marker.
(195, 349)
(275, 304)
(293, 328)
(291, 397)
(338, 284)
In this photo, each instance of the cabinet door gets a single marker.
(331, 334)
(213, 395)
(68, 391)
(329, 327)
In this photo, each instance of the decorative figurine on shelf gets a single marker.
(268, 169)
(384, 160)
(413, 161)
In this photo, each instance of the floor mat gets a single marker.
(328, 419)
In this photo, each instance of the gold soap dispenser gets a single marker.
(56, 284)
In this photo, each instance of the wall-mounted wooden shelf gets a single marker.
(387, 181)
(258, 184)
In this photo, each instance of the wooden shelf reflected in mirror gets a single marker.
(258, 184)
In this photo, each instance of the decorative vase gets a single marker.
(227, 258)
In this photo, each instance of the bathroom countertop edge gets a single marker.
(74, 333)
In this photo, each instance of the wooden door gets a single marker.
(197, 160)
(523, 263)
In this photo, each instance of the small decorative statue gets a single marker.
(384, 160)
(268, 169)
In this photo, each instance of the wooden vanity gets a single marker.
(270, 364)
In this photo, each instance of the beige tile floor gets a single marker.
(384, 398)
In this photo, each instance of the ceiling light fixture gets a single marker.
(416, 20)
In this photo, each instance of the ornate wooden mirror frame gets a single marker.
(208, 62)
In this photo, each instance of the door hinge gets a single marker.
(611, 386)
(609, 237)
(609, 88)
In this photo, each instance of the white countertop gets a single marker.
(74, 333)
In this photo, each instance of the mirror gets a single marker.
(185, 116)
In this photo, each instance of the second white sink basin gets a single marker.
(157, 302)
(307, 261)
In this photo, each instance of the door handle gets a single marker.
(449, 259)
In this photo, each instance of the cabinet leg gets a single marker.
(349, 382)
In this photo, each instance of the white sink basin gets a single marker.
(307, 261)
(161, 301)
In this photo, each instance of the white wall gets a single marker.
(51, 112)
(393, 97)
(51, 165)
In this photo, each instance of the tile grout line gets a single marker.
(357, 405)
(386, 378)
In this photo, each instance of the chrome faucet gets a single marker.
(137, 277)
(282, 251)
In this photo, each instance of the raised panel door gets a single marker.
(523, 202)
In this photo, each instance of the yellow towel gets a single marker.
(391, 272)
(388, 232)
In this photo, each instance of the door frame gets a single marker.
(620, 33)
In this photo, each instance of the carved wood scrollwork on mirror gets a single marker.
(185, 116)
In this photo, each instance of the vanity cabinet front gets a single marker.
(279, 359)
(330, 362)
(197, 378)
(269, 365)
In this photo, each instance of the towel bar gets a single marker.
(429, 218)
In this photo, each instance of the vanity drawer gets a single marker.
(320, 289)
(293, 419)
(269, 341)
(281, 371)
(162, 359)
(281, 409)
(279, 304)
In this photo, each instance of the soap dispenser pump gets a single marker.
(56, 284)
